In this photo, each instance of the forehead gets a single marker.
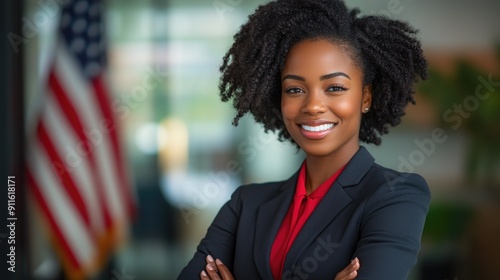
(319, 56)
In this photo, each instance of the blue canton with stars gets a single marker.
(82, 32)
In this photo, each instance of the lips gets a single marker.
(316, 129)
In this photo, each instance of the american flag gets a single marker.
(75, 166)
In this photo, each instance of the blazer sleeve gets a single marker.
(391, 228)
(219, 240)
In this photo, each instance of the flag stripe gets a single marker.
(52, 222)
(79, 92)
(104, 104)
(118, 205)
(62, 172)
(68, 148)
(76, 233)
(69, 110)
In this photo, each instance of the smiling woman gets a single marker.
(325, 79)
(322, 99)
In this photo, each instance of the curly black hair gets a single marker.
(387, 51)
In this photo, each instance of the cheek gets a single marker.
(288, 108)
(347, 107)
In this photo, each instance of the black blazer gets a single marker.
(370, 212)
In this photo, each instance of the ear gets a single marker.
(367, 98)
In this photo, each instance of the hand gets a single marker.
(350, 272)
(216, 270)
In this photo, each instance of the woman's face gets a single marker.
(323, 98)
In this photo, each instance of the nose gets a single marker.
(314, 103)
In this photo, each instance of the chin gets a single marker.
(318, 150)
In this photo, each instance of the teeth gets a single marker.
(318, 128)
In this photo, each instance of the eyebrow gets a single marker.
(324, 77)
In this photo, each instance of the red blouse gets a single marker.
(301, 208)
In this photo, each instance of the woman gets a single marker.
(324, 78)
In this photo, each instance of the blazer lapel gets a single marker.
(330, 206)
(269, 218)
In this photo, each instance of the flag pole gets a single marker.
(12, 190)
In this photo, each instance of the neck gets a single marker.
(321, 168)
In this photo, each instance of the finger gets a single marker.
(204, 275)
(350, 272)
(210, 260)
(343, 275)
(354, 265)
(211, 272)
(352, 269)
(351, 275)
(223, 270)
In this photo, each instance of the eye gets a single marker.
(336, 88)
(294, 90)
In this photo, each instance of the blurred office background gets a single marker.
(185, 158)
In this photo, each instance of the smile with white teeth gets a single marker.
(322, 127)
